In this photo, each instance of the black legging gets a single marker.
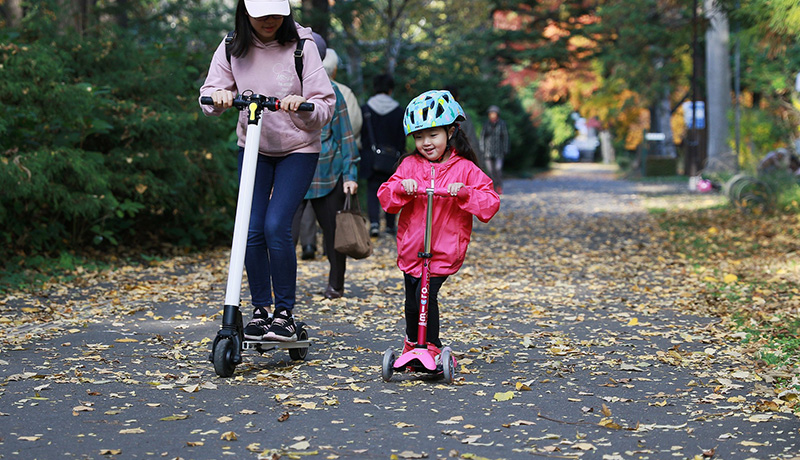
(413, 286)
(325, 209)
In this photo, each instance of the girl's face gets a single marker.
(432, 143)
(266, 27)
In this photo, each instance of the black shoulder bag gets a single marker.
(386, 156)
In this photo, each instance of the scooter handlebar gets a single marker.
(441, 191)
(270, 103)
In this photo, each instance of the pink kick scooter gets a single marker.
(418, 359)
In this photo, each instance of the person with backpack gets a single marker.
(268, 57)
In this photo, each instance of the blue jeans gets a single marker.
(270, 258)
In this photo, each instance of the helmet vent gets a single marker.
(439, 110)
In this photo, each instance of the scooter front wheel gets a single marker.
(223, 358)
(388, 364)
(448, 365)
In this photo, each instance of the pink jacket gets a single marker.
(452, 217)
(269, 69)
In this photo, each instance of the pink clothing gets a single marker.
(269, 69)
(452, 217)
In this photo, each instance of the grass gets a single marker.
(748, 269)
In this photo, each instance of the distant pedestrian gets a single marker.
(442, 159)
(495, 146)
(383, 129)
(334, 177)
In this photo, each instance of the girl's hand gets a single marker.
(410, 186)
(291, 102)
(350, 187)
(223, 99)
(454, 188)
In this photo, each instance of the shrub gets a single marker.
(102, 141)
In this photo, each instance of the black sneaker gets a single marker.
(374, 230)
(282, 328)
(257, 328)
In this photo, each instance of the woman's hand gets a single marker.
(350, 187)
(454, 188)
(291, 102)
(410, 186)
(223, 99)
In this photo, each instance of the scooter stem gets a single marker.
(424, 291)
(243, 205)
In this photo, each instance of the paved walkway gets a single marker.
(566, 319)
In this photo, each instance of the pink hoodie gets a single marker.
(269, 69)
(452, 217)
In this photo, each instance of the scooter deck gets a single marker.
(267, 345)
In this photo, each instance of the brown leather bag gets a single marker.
(352, 234)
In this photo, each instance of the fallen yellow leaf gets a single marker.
(503, 396)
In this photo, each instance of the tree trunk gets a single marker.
(718, 88)
(14, 13)
(318, 15)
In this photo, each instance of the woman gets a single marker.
(262, 59)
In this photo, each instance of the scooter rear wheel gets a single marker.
(388, 364)
(448, 365)
(299, 354)
(223, 358)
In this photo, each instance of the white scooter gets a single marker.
(226, 350)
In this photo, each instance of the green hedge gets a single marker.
(102, 141)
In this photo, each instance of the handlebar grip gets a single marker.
(206, 100)
(442, 192)
(306, 106)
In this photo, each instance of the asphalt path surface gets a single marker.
(569, 345)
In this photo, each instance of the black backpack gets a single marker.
(298, 54)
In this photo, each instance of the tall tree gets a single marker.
(721, 158)
(633, 48)
(12, 12)
(318, 13)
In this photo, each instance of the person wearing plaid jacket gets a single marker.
(336, 175)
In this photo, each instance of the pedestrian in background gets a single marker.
(334, 177)
(308, 222)
(331, 64)
(383, 129)
(495, 146)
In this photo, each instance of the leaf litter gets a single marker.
(562, 317)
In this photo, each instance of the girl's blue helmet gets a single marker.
(432, 108)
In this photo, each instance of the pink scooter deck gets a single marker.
(418, 354)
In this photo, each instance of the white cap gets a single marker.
(261, 8)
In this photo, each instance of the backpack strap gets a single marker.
(298, 61)
(229, 44)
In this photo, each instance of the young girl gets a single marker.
(443, 159)
(263, 60)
